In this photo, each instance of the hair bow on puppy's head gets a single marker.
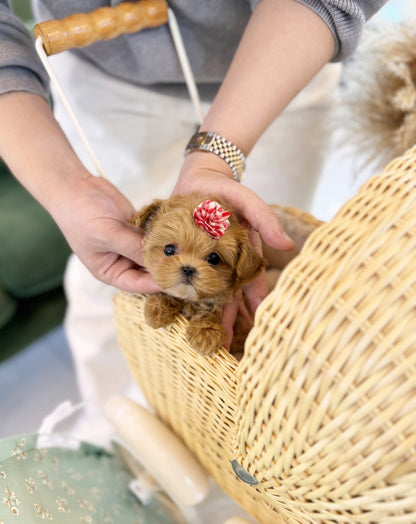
(211, 217)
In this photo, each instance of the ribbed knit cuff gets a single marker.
(20, 79)
(319, 8)
(345, 19)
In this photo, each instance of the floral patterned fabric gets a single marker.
(86, 485)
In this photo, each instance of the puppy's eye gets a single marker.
(170, 250)
(213, 259)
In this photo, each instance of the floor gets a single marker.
(33, 382)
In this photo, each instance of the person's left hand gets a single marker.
(209, 174)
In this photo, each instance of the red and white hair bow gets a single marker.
(212, 218)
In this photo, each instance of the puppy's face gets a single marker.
(185, 261)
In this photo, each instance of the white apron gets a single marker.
(139, 137)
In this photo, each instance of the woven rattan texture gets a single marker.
(322, 407)
(327, 389)
(193, 394)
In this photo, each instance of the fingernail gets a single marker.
(228, 340)
(287, 238)
(255, 303)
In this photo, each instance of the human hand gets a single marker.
(94, 216)
(252, 294)
(208, 174)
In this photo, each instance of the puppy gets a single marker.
(200, 255)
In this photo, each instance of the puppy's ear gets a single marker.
(249, 263)
(144, 217)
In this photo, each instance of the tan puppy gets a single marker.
(200, 255)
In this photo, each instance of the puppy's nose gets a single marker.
(188, 271)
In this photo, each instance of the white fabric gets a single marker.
(139, 138)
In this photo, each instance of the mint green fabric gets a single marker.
(33, 252)
(86, 486)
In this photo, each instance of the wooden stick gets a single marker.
(105, 23)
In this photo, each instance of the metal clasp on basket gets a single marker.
(242, 474)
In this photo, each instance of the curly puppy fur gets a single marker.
(198, 274)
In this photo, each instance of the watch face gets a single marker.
(202, 140)
(199, 139)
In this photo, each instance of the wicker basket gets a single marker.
(321, 410)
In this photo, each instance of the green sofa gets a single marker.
(33, 256)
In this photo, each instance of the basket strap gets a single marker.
(81, 30)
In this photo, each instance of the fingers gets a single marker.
(117, 259)
(245, 314)
(124, 274)
(256, 291)
(127, 242)
(229, 315)
(246, 203)
(262, 218)
(136, 281)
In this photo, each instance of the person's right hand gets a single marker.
(93, 217)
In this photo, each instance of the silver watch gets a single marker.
(215, 143)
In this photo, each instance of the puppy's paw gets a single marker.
(205, 336)
(161, 310)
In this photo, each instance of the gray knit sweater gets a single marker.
(211, 30)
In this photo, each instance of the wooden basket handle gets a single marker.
(83, 29)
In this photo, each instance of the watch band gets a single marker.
(215, 143)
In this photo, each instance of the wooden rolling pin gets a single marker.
(83, 29)
(159, 450)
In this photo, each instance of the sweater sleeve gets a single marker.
(345, 19)
(20, 67)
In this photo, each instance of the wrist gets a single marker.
(213, 143)
(63, 190)
(206, 163)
